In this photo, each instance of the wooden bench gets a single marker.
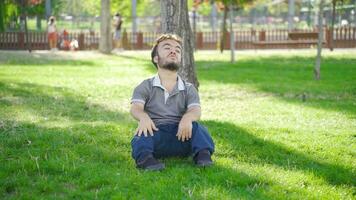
(303, 36)
(295, 39)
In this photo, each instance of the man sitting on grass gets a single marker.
(167, 109)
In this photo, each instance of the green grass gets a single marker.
(65, 129)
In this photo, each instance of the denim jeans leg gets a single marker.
(164, 142)
(201, 139)
(141, 146)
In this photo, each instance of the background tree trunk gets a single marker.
(105, 43)
(291, 5)
(48, 8)
(2, 16)
(320, 40)
(175, 19)
(214, 14)
(232, 36)
(223, 31)
(331, 35)
(38, 22)
(134, 16)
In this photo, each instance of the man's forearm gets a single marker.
(192, 114)
(138, 113)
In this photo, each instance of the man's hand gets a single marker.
(145, 125)
(185, 129)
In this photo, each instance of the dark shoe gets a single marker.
(150, 163)
(203, 158)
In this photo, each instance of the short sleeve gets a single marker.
(141, 93)
(193, 96)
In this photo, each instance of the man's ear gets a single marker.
(155, 59)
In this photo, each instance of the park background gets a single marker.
(280, 132)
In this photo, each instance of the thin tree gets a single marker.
(320, 40)
(2, 16)
(223, 30)
(291, 5)
(232, 36)
(236, 5)
(175, 19)
(105, 42)
(331, 35)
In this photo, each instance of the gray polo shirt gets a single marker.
(164, 107)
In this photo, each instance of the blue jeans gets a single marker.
(165, 143)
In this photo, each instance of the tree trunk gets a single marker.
(232, 37)
(309, 13)
(214, 14)
(223, 31)
(48, 8)
(2, 16)
(331, 35)
(134, 16)
(38, 22)
(105, 43)
(291, 5)
(175, 19)
(320, 40)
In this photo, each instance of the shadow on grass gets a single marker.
(290, 79)
(48, 62)
(55, 102)
(74, 161)
(255, 150)
(41, 59)
(82, 158)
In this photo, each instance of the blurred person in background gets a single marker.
(117, 22)
(52, 33)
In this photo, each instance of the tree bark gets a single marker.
(232, 36)
(38, 22)
(214, 14)
(134, 16)
(291, 5)
(309, 13)
(48, 9)
(105, 43)
(223, 31)
(2, 16)
(331, 35)
(320, 40)
(175, 19)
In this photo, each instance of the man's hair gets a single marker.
(160, 39)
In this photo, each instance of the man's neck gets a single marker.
(167, 76)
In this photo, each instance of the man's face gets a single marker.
(169, 55)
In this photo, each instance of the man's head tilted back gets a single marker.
(167, 52)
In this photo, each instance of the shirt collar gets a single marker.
(157, 82)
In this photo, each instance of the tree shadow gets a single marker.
(76, 160)
(244, 145)
(79, 160)
(43, 60)
(90, 155)
(56, 102)
(290, 79)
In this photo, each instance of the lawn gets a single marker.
(65, 128)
